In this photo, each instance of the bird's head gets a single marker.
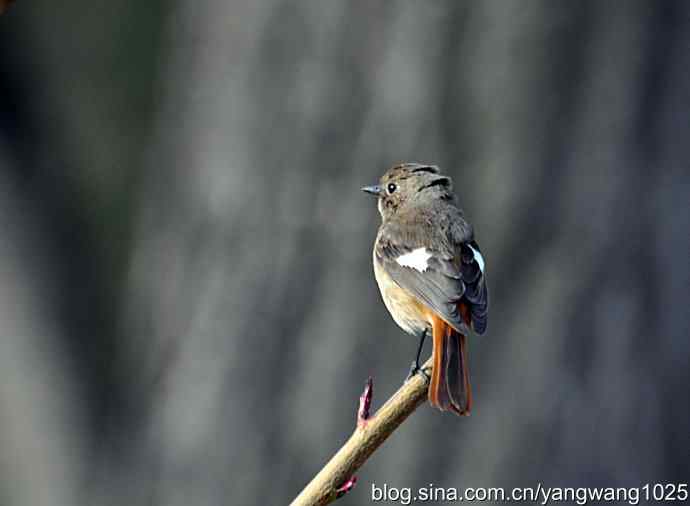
(409, 184)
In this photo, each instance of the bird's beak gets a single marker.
(374, 190)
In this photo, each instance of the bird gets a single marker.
(431, 274)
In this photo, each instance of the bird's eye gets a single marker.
(391, 187)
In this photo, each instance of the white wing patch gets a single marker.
(417, 259)
(478, 258)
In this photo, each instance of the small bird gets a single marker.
(430, 272)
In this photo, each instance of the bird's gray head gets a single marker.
(410, 184)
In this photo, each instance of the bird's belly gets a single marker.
(410, 314)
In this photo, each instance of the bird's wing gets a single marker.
(476, 293)
(440, 274)
(427, 273)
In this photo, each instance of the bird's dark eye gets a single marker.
(391, 187)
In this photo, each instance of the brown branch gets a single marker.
(337, 477)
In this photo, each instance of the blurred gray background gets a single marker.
(187, 307)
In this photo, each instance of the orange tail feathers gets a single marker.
(450, 388)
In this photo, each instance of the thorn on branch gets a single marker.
(337, 477)
(365, 404)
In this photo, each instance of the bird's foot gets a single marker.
(416, 369)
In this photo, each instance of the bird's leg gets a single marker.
(414, 368)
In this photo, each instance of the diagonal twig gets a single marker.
(337, 478)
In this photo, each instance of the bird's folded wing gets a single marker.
(476, 294)
(430, 275)
(440, 278)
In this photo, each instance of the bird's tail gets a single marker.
(450, 388)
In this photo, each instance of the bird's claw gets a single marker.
(415, 369)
